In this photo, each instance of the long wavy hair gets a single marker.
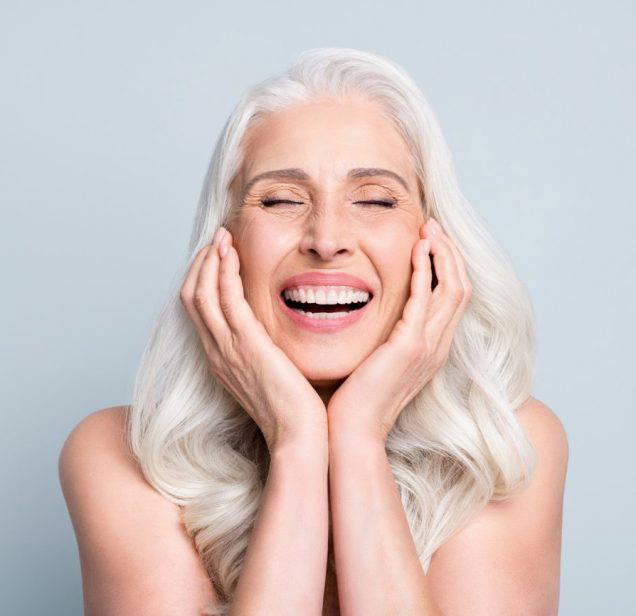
(456, 446)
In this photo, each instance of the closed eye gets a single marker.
(380, 202)
(271, 202)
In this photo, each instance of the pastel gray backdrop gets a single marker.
(109, 113)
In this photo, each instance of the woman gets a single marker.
(333, 414)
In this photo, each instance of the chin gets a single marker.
(317, 369)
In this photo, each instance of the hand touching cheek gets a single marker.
(371, 398)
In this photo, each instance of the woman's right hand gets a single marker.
(241, 353)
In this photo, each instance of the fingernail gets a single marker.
(223, 248)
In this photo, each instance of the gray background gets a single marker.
(108, 116)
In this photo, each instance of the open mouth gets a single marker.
(327, 308)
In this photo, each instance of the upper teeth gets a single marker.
(325, 295)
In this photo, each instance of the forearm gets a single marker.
(285, 564)
(377, 566)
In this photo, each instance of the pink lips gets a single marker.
(322, 278)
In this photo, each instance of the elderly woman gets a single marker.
(333, 413)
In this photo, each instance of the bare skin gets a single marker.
(328, 222)
(325, 403)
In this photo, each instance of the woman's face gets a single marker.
(324, 213)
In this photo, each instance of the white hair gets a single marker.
(456, 446)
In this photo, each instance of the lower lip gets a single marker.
(323, 326)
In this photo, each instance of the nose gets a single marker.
(327, 234)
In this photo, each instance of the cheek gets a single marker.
(392, 250)
(261, 235)
(398, 275)
(260, 250)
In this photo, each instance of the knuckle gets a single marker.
(416, 348)
(225, 303)
(415, 354)
(430, 341)
(184, 295)
(214, 364)
(199, 300)
(457, 295)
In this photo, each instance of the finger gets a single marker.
(206, 292)
(187, 288)
(447, 336)
(414, 313)
(187, 297)
(231, 294)
(449, 292)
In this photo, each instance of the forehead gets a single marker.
(326, 139)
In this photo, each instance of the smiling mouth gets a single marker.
(317, 308)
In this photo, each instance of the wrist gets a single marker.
(356, 451)
(350, 438)
(309, 440)
(301, 455)
(346, 430)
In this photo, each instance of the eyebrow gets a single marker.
(295, 173)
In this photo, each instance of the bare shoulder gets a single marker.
(548, 437)
(546, 432)
(509, 553)
(104, 429)
(135, 555)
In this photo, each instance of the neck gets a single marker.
(326, 389)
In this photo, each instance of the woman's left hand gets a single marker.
(369, 401)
